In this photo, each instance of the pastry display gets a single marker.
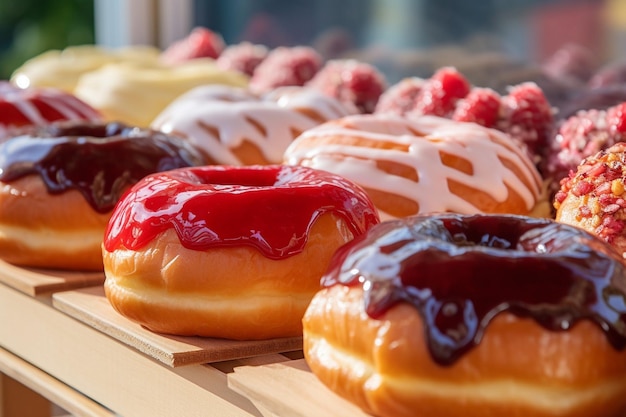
(592, 197)
(314, 209)
(244, 269)
(233, 126)
(426, 164)
(59, 185)
(38, 106)
(470, 315)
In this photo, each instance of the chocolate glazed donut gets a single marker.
(463, 315)
(59, 184)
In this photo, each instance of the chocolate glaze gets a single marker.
(459, 271)
(100, 160)
(268, 207)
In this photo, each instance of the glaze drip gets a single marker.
(461, 271)
(99, 160)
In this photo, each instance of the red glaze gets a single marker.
(39, 106)
(461, 271)
(269, 207)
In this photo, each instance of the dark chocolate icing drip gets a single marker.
(460, 271)
(99, 160)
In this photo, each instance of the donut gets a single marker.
(25, 107)
(228, 251)
(136, 92)
(286, 66)
(424, 164)
(453, 315)
(63, 68)
(58, 186)
(234, 126)
(592, 197)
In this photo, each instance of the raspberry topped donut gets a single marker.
(58, 186)
(233, 126)
(593, 196)
(426, 164)
(229, 252)
(34, 106)
(469, 315)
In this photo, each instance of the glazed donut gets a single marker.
(59, 184)
(424, 164)
(244, 269)
(136, 92)
(592, 198)
(453, 315)
(236, 127)
(26, 107)
(63, 68)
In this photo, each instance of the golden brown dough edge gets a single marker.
(519, 368)
(226, 292)
(40, 229)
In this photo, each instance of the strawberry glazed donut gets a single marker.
(228, 252)
(58, 186)
(454, 315)
(27, 107)
(425, 164)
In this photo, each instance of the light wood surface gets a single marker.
(128, 382)
(28, 392)
(38, 281)
(90, 306)
(289, 389)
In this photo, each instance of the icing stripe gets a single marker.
(484, 148)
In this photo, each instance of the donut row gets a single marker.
(418, 247)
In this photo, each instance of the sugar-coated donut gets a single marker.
(58, 186)
(425, 164)
(25, 107)
(593, 197)
(233, 126)
(453, 315)
(228, 252)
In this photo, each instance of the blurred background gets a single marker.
(402, 37)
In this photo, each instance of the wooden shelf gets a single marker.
(61, 339)
(289, 389)
(36, 282)
(49, 387)
(90, 306)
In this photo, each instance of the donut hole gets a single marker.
(91, 130)
(241, 176)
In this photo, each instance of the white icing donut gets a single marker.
(422, 165)
(236, 127)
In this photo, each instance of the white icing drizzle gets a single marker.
(66, 104)
(468, 141)
(238, 115)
